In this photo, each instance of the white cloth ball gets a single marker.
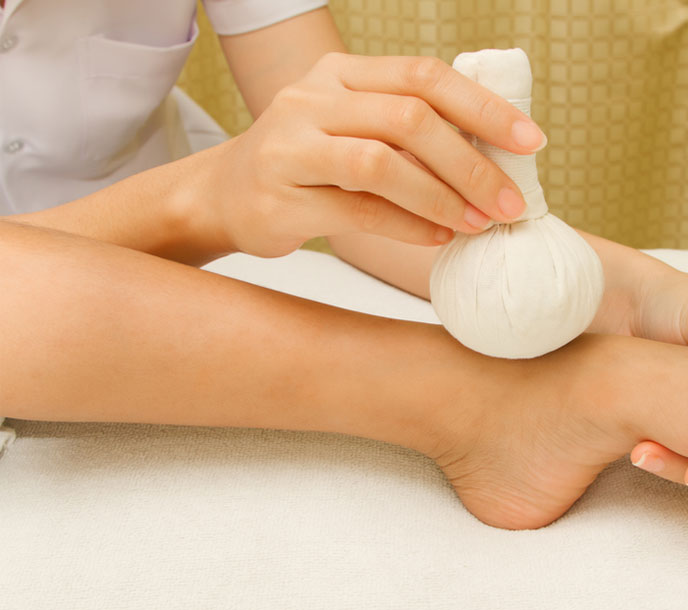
(517, 290)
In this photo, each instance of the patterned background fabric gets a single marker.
(610, 91)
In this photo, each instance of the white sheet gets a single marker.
(139, 517)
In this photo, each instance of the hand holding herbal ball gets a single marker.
(516, 290)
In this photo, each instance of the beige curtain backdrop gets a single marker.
(611, 92)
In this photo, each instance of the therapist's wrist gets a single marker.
(193, 229)
(173, 211)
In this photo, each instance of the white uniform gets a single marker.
(86, 90)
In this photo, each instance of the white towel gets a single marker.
(7, 436)
(102, 516)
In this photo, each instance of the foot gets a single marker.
(555, 422)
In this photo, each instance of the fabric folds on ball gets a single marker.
(519, 290)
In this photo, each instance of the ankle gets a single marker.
(469, 392)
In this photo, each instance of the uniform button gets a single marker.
(13, 147)
(7, 43)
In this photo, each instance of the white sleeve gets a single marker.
(239, 16)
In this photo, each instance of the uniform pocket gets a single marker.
(122, 83)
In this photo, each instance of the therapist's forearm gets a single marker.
(409, 266)
(148, 212)
(266, 60)
(403, 265)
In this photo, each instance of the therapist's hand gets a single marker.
(663, 315)
(363, 144)
(644, 298)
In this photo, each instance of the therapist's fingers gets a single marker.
(659, 460)
(358, 164)
(455, 97)
(413, 124)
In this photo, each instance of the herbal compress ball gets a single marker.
(516, 290)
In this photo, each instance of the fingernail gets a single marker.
(528, 135)
(475, 217)
(544, 143)
(510, 203)
(649, 462)
(443, 235)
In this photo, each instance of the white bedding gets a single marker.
(140, 517)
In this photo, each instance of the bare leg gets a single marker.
(95, 332)
(92, 331)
